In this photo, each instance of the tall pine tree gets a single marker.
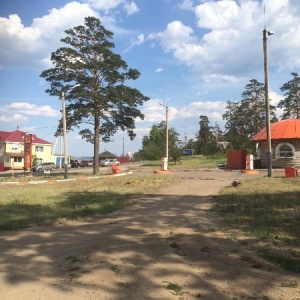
(102, 101)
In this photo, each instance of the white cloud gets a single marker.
(231, 48)
(155, 113)
(29, 109)
(220, 78)
(19, 118)
(136, 42)
(131, 8)
(159, 70)
(31, 46)
(208, 108)
(105, 5)
(186, 5)
(175, 36)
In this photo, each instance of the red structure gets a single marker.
(285, 143)
(236, 159)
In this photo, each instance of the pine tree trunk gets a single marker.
(96, 145)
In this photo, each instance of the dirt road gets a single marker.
(167, 246)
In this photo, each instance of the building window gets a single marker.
(285, 150)
(7, 159)
(14, 147)
(39, 149)
(17, 159)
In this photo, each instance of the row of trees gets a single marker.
(243, 120)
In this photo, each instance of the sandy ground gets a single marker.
(166, 240)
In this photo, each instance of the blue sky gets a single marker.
(193, 56)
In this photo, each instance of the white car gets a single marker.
(44, 166)
(109, 162)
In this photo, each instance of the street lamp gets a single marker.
(167, 132)
(268, 130)
(65, 131)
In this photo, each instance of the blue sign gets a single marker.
(188, 151)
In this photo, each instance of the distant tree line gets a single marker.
(243, 120)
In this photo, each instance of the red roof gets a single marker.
(284, 129)
(17, 136)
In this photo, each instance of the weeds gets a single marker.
(269, 209)
(177, 289)
(116, 269)
(292, 284)
(28, 205)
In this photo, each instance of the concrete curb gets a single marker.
(61, 180)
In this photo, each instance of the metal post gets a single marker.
(65, 135)
(167, 135)
(269, 147)
(60, 144)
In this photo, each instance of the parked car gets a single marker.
(84, 163)
(75, 164)
(44, 166)
(108, 162)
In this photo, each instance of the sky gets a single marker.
(193, 56)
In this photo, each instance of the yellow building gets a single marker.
(12, 150)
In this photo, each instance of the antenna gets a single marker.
(265, 16)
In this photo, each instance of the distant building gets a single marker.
(107, 155)
(12, 150)
(285, 144)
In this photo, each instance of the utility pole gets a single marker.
(268, 130)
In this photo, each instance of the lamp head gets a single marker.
(76, 85)
(270, 32)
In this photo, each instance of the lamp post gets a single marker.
(167, 132)
(269, 147)
(66, 175)
(65, 135)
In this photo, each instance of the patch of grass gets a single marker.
(205, 249)
(256, 266)
(191, 162)
(245, 258)
(177, 248)
(268, 209)
(26, 205)
(116, 269)
(74, 276)
(177, 289)
(286, 262)
(292, 284)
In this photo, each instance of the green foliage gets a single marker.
(291, 103)
(101, 100)
(154, 145)
(246, 117)
(206, 142)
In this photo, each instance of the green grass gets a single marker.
(116, 269)
(175, 288)
(191, 162)
(268, 209)
(26, 205)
